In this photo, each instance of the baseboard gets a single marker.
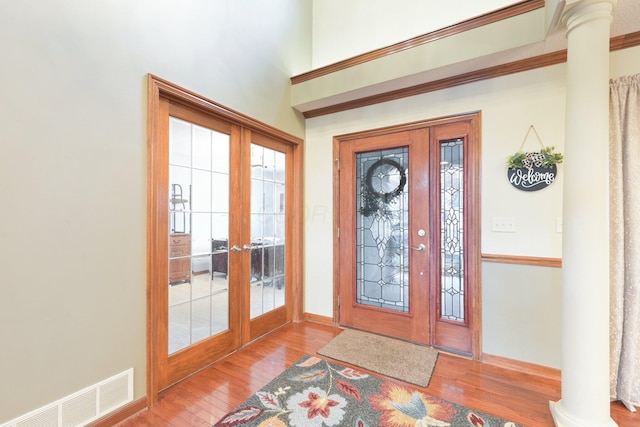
(489, 359)
(121, 414)
(520, 366)
(315, 318)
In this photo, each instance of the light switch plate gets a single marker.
(503, 224)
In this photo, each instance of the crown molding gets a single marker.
(469, 24)
(531, 63)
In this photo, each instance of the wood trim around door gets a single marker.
(160, 94)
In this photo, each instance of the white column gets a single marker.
(585, 243)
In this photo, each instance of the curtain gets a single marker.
(624, 172)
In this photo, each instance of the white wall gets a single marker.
(509, 105)
(73, 165)
(521, 312)
(343, 29)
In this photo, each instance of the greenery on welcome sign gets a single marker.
(545, 157)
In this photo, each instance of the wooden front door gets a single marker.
(408, 258)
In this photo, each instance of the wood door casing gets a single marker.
(464, 337)
(165, 100)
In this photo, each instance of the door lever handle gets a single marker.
(420, 247)
(236, 248)
(247, 247)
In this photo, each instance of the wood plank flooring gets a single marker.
(207, 396)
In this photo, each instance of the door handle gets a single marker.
(420, 247)
(236, 248)
(247, 247)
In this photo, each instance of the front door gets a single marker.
(408, 264)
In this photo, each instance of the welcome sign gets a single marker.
(532, 178)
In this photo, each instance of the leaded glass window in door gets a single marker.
(382, 278)
(451, 232)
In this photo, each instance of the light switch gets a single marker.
(503, 224)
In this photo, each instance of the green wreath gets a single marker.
(373, 198)
(544, 158)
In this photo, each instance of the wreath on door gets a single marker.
(375, 197)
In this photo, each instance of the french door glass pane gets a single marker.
(382, 278)
(267, 230)
(198, 233)
(451, 232)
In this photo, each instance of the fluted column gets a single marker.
(585, 243)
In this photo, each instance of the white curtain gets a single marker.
(624, 165)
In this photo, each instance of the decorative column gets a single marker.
(585, 243)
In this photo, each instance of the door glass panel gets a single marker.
(451, 234)
(267, 230)
(198, 233)
(382, 277)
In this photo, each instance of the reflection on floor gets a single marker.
(200, 309)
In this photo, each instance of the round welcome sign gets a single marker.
(533, 178)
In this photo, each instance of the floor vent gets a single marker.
(82, 407)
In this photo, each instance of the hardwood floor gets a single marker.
(207, 396)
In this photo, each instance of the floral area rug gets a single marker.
(316, 393)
